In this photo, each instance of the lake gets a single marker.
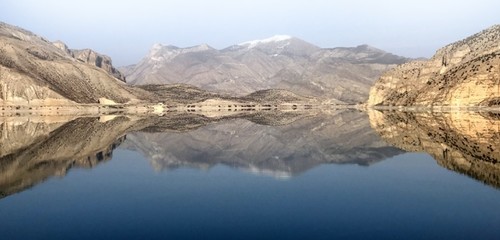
(259, 175)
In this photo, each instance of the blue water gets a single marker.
(405, 197)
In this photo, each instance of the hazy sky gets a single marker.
(125, 30)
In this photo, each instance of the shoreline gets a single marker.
(436, 108)
(214, 108)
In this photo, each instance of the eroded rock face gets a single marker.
(464, 142)
(37, 72)
(92, 57)
(465, 73)
(101, 61)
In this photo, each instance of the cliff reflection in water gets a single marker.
(281, 144)
(465, 142)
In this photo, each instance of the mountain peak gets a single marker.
(273, 39)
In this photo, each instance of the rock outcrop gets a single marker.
(462, 74)
(465, 142)
(93, 58)
(344, 74)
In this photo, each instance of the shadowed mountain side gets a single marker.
(465, 142)
(281, 151)
(187, 94)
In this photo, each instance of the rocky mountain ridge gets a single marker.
(464, 73)
(283, 62)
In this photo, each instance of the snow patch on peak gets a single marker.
(162, 53)
(155, 49)
(157, 46)
(273, 39)
(202, 47)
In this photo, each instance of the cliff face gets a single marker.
(465, 73)
(93, 58)
(344, 74)
(465, 142)
(35, 71)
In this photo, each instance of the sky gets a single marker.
(126, 30)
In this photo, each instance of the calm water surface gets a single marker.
(312, 178)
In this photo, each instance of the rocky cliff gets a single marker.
(282, 62)
(465, 142)
(92, 57)
(465, 73)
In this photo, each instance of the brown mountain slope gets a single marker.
(465, 73)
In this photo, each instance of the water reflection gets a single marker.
(465, 142)
(282, 150)
(280, 144)
(32, 150)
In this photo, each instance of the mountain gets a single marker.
(465, 73)
(34, 71)
(282, 62)
(464, 142)
(36, 74)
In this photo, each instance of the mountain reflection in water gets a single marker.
(281, 144)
